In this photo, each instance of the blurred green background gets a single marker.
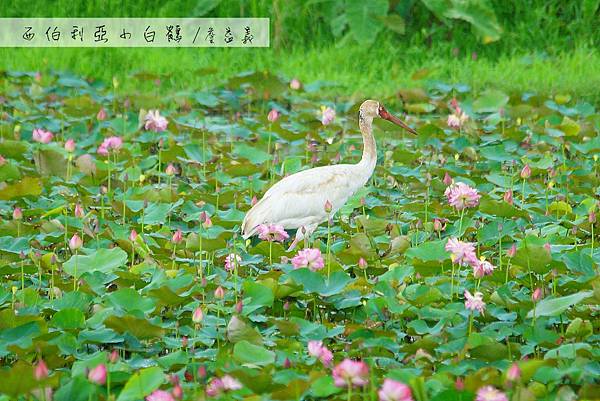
(363, 48)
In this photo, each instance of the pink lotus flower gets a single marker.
(215, 387)
(2, 161)
(153, 121)
(42, 136)
(113, 143)
(272, 232)
(316, 349)
(461, 196)
(70, 145)
(295, 84)
(327, 115)
(393, 390)
(351, 373)
(591, 215)
(273, 115)
(537, 294)
(98, 374)
(462, 253)
(230, 383)
(474, 302)
(231, 261)
(482, 268)
(197, 315)
(489, 393)
(75, 242)
(362, 263)
(133, 235)
(41, 370)
(328, 207)
(310, 257)
(218, 386)
(513, 373)
(160, 395)
(456, 121)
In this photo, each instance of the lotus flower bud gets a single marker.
(513, 373)
(41, 370)
(114, 356)
(197, 315)
(98, 374)
(177, 237)
(170, 170)
(447, 179)
(273, 115)
(70, 145)
(17, 213)
(239, 307)
(75, 242)
(177, 392)
(101, 115)
(512, 251)
(79, 213)
(508, 197)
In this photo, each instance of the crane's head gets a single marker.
(372, 109)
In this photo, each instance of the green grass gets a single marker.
(359, 71)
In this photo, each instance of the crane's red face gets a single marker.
(383, 113)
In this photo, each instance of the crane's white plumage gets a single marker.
(298, 201)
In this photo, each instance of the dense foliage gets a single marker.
(123, 271)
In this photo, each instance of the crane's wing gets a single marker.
(299, 199)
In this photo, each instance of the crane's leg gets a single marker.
(303, 233)
(300, 234)
(309, 230)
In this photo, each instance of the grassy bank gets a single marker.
(355, 70)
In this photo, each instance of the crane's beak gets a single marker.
(383, 113)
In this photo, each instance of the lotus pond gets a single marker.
(124, 275)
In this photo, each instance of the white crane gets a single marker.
(298, 201)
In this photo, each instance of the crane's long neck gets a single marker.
(369, 156)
